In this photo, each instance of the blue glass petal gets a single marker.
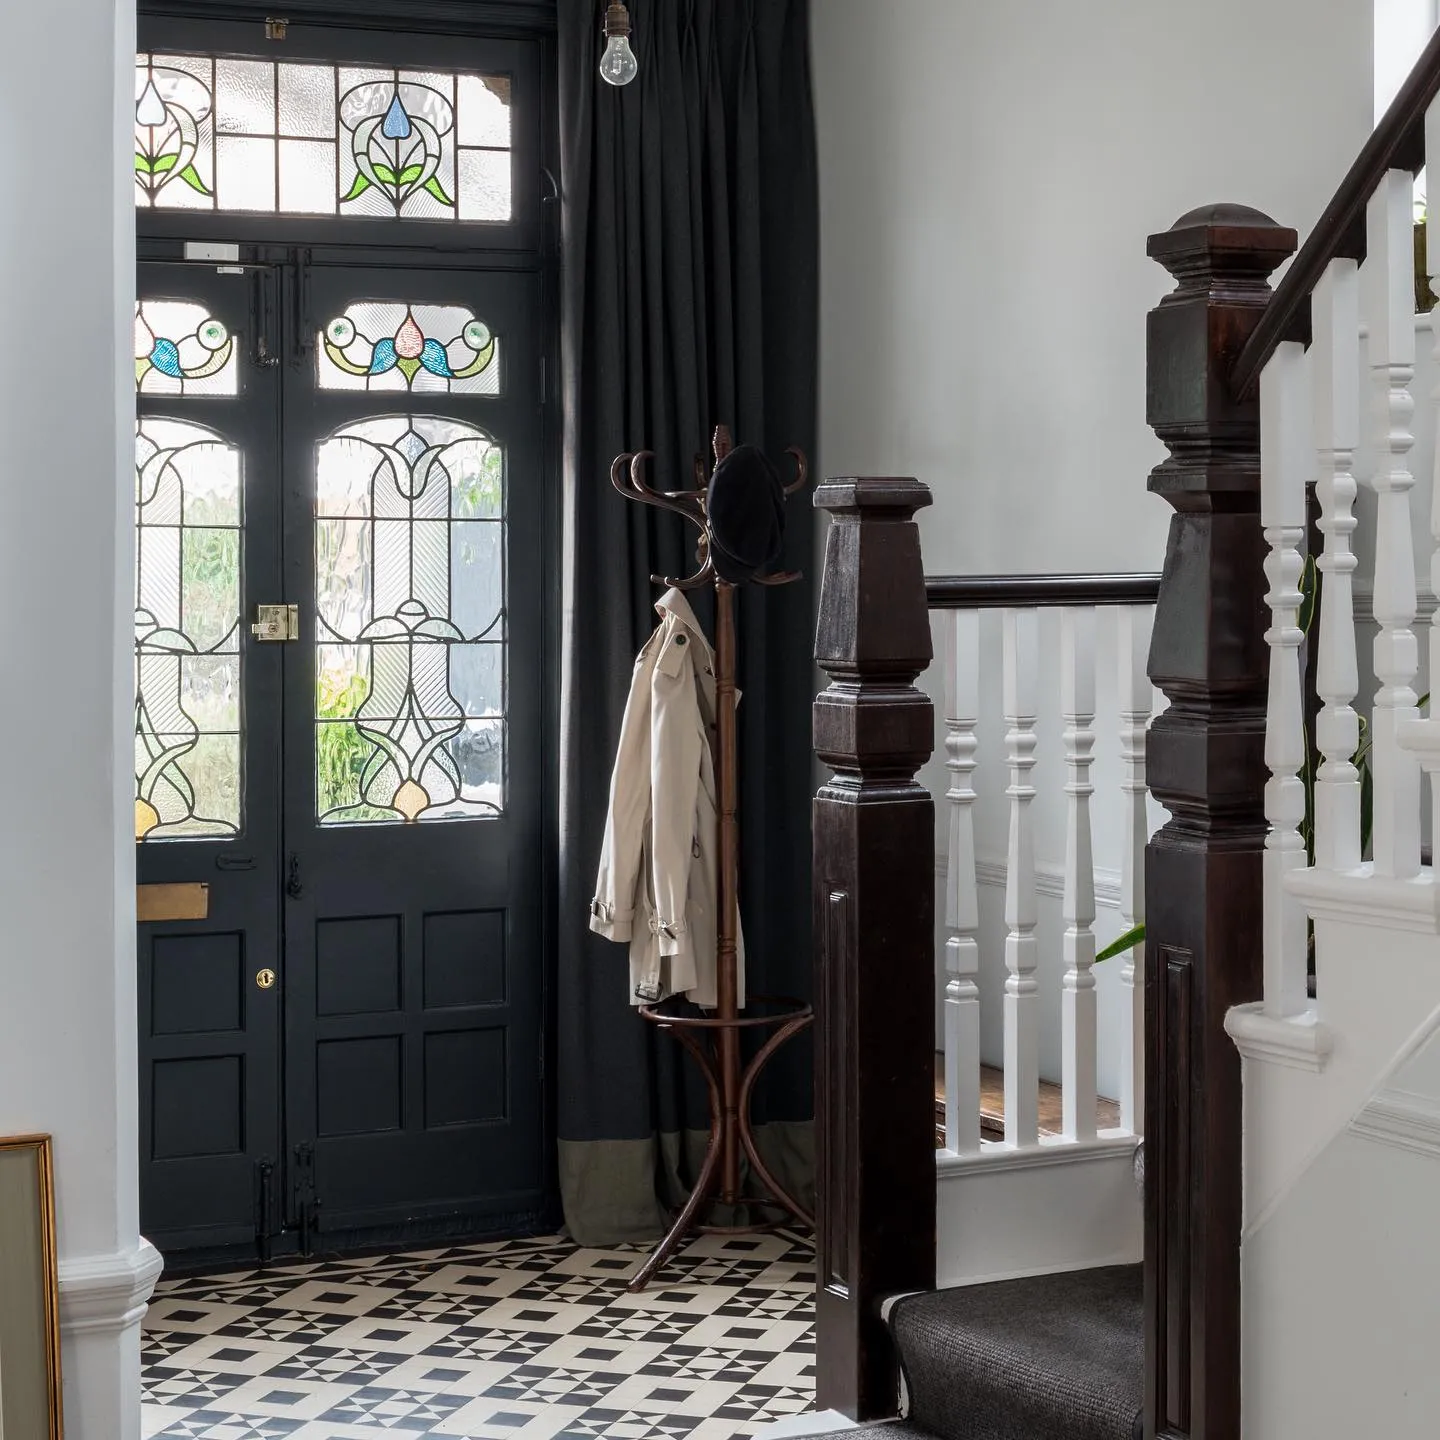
(383, 358)
(165, 357)
(434, 359)
(396, 125)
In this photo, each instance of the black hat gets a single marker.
(746, 509)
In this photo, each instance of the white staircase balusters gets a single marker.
(1022, 1054)
(1335, 366)
(1390, 269)
(1078, 1013)
(1133, 623)
(960, 631)
(1286, 460)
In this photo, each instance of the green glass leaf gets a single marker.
(411, 173)
(385, 174)
(163, 163)
(434, 186)
(193, 180)
(142, 164)
(408, 367)
(361, 185)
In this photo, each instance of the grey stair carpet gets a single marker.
(1052, 1357)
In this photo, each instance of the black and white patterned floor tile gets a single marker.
(532, 1339)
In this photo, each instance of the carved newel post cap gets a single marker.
(1230, 235)
(874, 494)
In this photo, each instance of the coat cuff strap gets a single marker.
(613, 924)
(671, 934)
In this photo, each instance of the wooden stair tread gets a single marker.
(992, 1105)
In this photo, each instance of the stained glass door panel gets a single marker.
(207, 729)
(413, 739)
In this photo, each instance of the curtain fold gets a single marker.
(689, 299)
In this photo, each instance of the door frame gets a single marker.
(524, 31)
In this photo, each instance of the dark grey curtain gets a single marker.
(689, 299)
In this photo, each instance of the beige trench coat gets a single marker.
(656, 888)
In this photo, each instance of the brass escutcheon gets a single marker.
(265, 979)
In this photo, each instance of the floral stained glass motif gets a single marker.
(181, 349)
(380, 345)
(187, 632)
(174, 133)
(283, 137)
(410, 601)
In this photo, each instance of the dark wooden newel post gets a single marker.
(1207, 765)
(874, 888)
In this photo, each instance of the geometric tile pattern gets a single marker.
(530, 1339)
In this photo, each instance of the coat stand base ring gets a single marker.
(730, 1129)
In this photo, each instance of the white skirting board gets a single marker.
(1007, 1213)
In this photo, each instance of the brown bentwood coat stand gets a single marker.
(713, 1038)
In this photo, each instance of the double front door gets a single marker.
(338, 764)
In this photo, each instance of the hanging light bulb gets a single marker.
(617, 65)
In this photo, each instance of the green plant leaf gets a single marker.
(434, 186)
(361, 185)
(385, 174)
(410, 174)
(190, 176)
(1128, 941)
(1309, 594)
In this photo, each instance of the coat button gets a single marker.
(679, 639)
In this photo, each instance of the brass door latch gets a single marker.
(276, 622)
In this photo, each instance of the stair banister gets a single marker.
(1397, 143)
(956, 603)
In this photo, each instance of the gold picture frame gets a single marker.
(29, 1292)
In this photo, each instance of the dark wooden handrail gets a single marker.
(1397, 143)
(1031, 592)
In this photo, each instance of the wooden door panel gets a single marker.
(207, 737)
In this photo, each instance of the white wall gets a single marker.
(67, 946)
(1342, 1278)
(989, 174)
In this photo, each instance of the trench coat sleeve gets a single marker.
(612, 912)
(676, 739)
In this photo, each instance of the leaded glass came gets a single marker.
(382, 345)
(181, 349)
(187, 632)
(296, 138)
(410, 631)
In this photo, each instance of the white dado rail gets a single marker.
(956, 603)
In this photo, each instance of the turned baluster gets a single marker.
(961, 639)
(1077, 1015)
(1022, 997)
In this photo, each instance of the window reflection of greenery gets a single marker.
(341, 750)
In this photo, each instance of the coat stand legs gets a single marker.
(713, 1038)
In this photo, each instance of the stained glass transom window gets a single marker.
(268, 136)
(187, 632)
(381, 345)
(181, 349)
(410, 600)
